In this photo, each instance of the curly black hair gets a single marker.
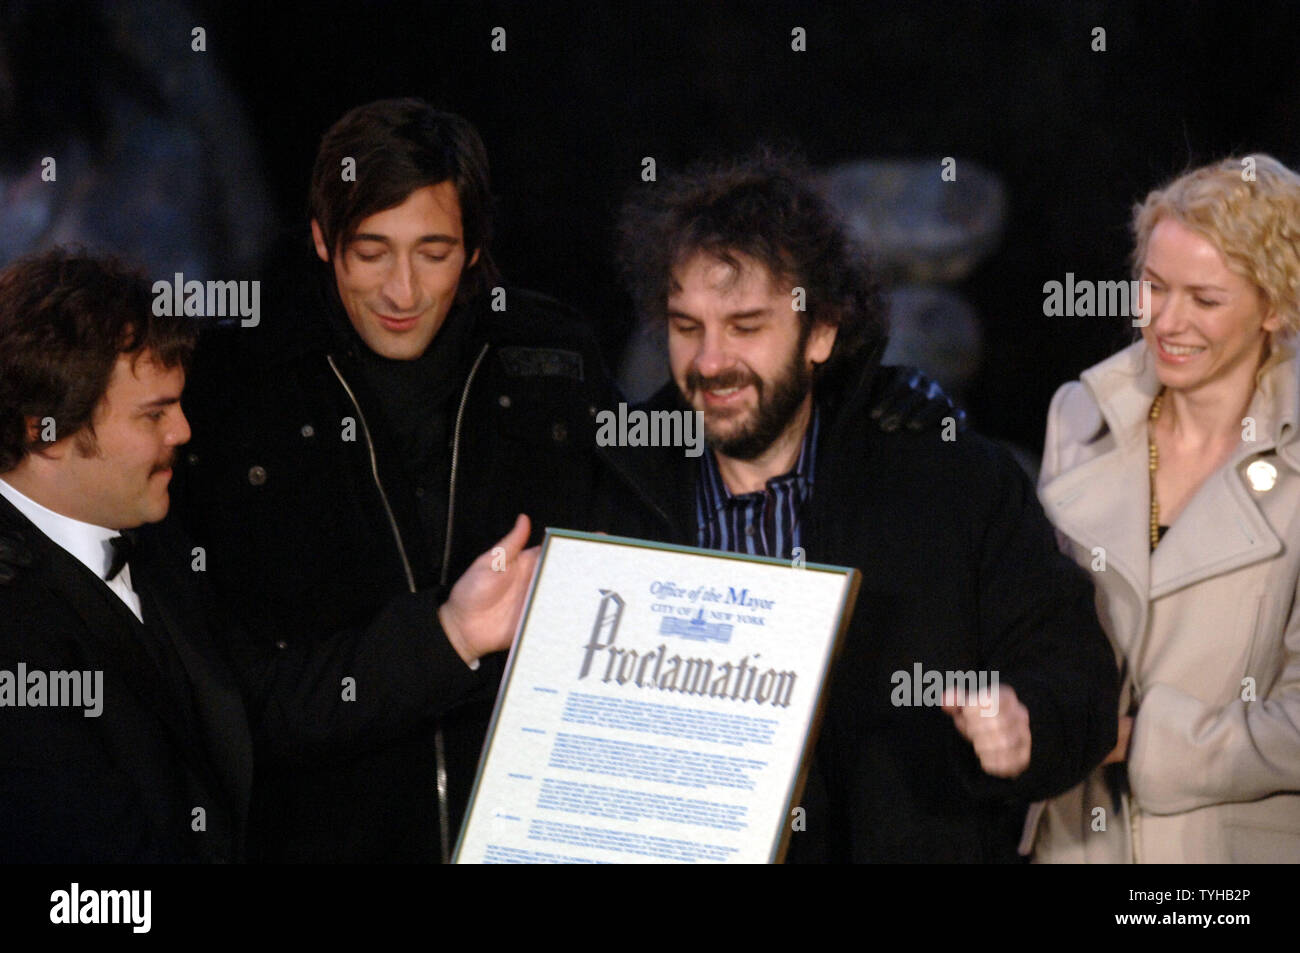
(763, 207)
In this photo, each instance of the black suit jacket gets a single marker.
(163, 772)
(187, 702)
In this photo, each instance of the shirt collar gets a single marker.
(85, 541)
(716, 494)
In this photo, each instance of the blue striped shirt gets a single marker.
(763, 523)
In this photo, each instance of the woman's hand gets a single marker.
(1120, 751)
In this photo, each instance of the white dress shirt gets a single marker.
(87, 542)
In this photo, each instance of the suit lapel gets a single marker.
(112, 638)
(217, 707)
(111, 633)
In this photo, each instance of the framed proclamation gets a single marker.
(660, 705)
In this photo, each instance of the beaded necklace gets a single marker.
(1153, 463)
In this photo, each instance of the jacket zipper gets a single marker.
(439, 744)
(374, 469)
(455, 458)
(439, 748)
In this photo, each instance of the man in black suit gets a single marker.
(124, 705)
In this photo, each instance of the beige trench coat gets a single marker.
(1207, 627)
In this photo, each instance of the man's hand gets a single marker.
(999, 731)
(14, 556)
(482, 612)
(1120, 751)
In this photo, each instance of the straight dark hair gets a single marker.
(64, 319)
(397, 146)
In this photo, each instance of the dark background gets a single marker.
(584, 91)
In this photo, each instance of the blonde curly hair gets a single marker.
(1255, 223)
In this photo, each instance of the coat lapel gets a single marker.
(1222, 528)
(658, 475)
(1105, 501)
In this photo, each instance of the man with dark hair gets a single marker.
(90, 419)
(121, 717)
(774, 333)
(67, 322)
(403, 145)
(391, 417)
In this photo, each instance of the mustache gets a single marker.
(733, 378)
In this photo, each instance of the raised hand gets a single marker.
(998, 729)
(482, 612)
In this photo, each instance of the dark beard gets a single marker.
(775, 410)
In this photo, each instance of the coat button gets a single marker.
(504, 400)
(559, 432)
(308, 430)
(192, 459)
(256, 475)
(281, 644)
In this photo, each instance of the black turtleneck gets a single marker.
(416, 403)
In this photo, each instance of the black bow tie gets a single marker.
(123, 547)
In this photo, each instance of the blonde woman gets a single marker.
(1172, 471)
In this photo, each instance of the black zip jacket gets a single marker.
(296, 489)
